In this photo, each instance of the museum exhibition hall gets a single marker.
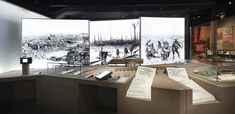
(117, 57)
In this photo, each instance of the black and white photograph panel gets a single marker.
(114, 39)
(162, 40)
(55, 41)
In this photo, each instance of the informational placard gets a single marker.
(199, 94)
(178, 74)
(228, 38)
(228, 32)
(140, 87)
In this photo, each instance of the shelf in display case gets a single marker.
(229, 54)
(126, 61)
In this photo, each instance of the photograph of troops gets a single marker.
(114, 39)
(162, 40)
(55, 41)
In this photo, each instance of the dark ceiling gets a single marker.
(199, 11)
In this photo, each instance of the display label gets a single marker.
(178, 74)
(140, 87)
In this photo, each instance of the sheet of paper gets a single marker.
(199, 94)
(178, 74)
(140, 87)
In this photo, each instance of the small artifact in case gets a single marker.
(115, 77)
(88, 76)
(104, 75)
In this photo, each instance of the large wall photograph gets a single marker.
(48, 40)
(162, 40)
(114, 39)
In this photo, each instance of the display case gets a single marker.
(64, 68)
(223, 56)
(207, 71)
(218, 73)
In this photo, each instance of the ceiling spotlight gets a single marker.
(222, 16)
(230, 3)
(198, 16)
(194, 18)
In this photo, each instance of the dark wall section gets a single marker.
(188, 40)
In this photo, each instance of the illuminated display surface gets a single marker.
(25, 60)
(48, 40)
(162, 40)
(114, 39)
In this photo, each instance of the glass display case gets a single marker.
(64, 68)
(219, 73)
(208, 71)
(223, 56)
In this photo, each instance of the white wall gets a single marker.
(10, 34)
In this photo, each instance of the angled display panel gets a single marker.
(162, 40)
(57, 41)
(114, 39)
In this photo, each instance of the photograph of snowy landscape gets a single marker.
(114, 39)
(57, 41)
(162, 40)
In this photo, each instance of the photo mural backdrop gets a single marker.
(68, 41)
(114, 39)
(57, 41)
(162, 40)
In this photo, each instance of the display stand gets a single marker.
(25, 69)
(97, 99)
(25, 65)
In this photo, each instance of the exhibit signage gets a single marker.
(140, 87)
(199, 94)
(178, 74)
